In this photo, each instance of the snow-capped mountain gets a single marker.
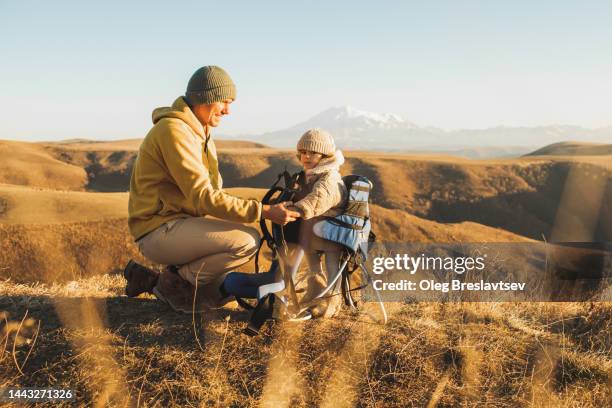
(361, 130)
(349, 117)
(352, 128)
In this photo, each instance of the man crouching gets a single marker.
(175, 186)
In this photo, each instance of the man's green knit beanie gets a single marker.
(210, 84)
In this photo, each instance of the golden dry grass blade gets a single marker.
(106, 378)
(283, 380)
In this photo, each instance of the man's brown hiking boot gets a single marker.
(176, 292)
(140, 279)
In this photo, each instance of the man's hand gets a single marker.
(279, 213)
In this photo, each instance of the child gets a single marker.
(324, 194)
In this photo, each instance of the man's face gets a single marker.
(210, 114)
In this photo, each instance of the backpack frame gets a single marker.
(351, 230)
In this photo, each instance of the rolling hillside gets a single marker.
(574, 149)
(55, 235)
(31, 205)
(31, 164)
(65, 321)
(524, 196)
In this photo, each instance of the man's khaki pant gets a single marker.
(204, 249)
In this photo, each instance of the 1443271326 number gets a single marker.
(33, 394)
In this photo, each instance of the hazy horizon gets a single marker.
(96, 71)
(219, 132)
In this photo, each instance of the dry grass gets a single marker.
(116, 351)
(60, 252)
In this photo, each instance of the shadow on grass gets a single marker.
(139, 321)
(92, 345)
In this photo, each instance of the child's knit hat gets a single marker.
(318, 141)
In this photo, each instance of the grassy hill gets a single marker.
(134, 144)
(79, 164)
(30, 164)
(64, 322)
(574, 149)
(30, 205)
(55, 235)
(524, 196)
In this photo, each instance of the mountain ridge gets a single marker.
(358, 129)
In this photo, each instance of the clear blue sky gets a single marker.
(97, 69)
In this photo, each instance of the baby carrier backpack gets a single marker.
(351, 229)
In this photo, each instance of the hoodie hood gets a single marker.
(180, 110)
(328, 164)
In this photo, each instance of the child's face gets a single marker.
(309, 159)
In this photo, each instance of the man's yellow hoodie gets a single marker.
(176, 175)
